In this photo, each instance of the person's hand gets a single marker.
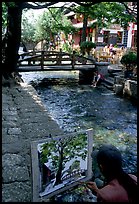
(92, 186)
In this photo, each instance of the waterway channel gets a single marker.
(79, 107)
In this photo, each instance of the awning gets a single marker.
(80, 25)
(70, 14)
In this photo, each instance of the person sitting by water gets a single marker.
(97, 79)
(120, 187)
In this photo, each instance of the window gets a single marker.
(119, 37)
(135, 38)
(125, 37)
(106, 36)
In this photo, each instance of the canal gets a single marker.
(79, 107)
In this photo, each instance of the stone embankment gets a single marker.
(115, 81)
(24, 119)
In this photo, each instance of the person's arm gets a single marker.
(92, 186)
(98, 77)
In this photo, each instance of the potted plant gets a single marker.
(129, 60)
(86, 46)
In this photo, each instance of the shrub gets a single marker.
(67, 48)
(87, 46)
(129, 60)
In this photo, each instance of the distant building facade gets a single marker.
(115, 34)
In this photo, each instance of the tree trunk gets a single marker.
(83, 37)
(13, 38)
(60, 167)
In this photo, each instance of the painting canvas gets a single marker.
(60, 162)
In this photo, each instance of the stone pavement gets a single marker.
(24, 119)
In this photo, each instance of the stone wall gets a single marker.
(130, 88)
(125, 87)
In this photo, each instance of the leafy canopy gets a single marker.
(75, 146)
(51, 23)
(107, 13)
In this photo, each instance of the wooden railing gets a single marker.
(53, 58)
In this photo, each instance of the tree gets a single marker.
(11, 41)
(63, 150)
(13, 35)
(105, 13)
(28, 28)
(4, 18)
(51, 23)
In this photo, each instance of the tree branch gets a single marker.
(130, 10)
(37, 6)
(87, 4)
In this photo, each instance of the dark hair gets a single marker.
(110, 158)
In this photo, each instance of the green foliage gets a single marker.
(129, 59)
(107, 13)
(66, 47)
(51, 23)
(87, 45)
(46, 27)
(4, 17)
(28, 28)
(73, 146)
(11, 4)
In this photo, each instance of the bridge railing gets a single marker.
(53, 58)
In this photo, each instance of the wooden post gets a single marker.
(60, 57)
(42, 59)
(73, 59)
(33, 55)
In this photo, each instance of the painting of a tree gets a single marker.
(64, 161)
(62, 151)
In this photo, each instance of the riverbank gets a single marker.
(24, 119)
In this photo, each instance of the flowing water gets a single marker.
(79, 107)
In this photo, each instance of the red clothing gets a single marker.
(113, 192)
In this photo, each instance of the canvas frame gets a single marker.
(35, 167)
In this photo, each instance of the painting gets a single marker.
(60, 163)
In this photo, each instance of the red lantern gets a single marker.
(133, 31)
(86, 31)
(91, 30)
(80, 32)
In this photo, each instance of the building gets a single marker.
(77, 22)
(132, 35)
(115, 34)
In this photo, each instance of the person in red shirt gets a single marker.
(97, 79)
(120, 187)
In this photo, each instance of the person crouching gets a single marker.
(97, 79)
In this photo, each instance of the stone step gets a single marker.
(109, 81)
(110, 87)
(113, 74)
(114, 70)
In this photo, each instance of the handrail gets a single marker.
(54, 56)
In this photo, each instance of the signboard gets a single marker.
(100, 39)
